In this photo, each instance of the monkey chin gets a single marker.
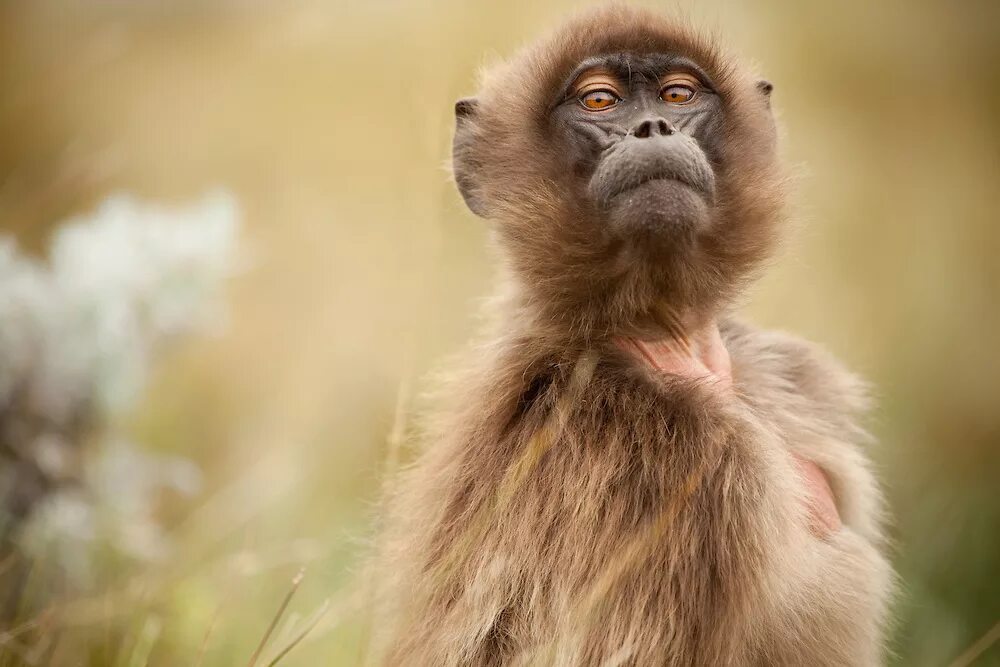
(659, 215)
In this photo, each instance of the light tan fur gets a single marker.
(574, 507)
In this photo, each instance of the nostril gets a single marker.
(653, 127)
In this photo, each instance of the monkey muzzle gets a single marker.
(656, 192)
(634, 162)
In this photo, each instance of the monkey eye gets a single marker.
(677, 93)
(598, 100)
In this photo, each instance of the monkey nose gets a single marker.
(653, 127)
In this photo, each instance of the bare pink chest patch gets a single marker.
(706, 358)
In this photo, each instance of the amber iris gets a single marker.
(677, 94)
(596, 100)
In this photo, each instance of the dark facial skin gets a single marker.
(641, 134)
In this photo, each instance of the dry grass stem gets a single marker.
(306, 629)
(978, 648)
(277, 617)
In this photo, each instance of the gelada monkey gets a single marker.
(622, 472)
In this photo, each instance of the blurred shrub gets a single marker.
(79, 334)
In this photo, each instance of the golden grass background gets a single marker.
(331, 123)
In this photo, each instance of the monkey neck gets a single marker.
(689, 347)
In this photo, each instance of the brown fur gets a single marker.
(573, 507)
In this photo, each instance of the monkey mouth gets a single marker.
(658, 213)
(657, 178)
(624, 169)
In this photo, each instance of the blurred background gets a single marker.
(301, 146)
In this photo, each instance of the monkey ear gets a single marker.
(764, 87)
(464, 161)
(466, 107)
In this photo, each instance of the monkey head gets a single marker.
(630, 168)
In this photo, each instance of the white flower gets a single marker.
(119, 282)
(77, 337)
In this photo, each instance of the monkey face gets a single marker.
(628, 165)
(643, 132)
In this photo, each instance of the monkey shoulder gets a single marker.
(793, 379)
